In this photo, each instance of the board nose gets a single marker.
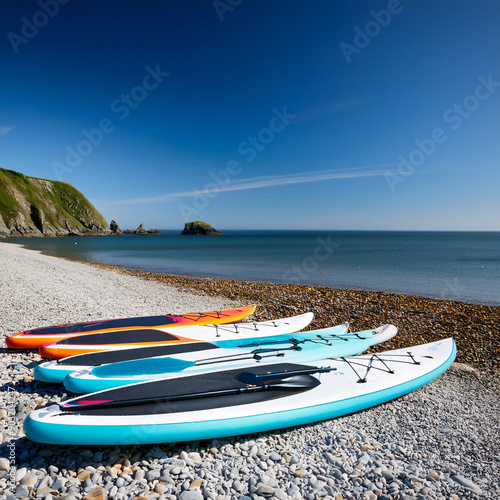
(45, 350)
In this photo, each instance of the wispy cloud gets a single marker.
(266, 182)
(5, 130)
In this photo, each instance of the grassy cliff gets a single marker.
(39, 207)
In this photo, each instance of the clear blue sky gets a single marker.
(278, 114)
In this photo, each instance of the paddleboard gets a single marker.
(236, 402)
(296, 348)
(30, 339)
(110, 341)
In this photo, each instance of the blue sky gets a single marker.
(264, 114)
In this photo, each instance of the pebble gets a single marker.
(95, 494)
(22, 491)
(20, 473)
(58, 484)
(83, 475)
(152, 475)
(29, 479)
(265, 490)
(120, 482)
(195, 485)
(190, 495)
(434, 476)
(467, 483)
(112, 472)
(160, 488)
(139, 474)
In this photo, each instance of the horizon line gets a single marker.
(352, 230)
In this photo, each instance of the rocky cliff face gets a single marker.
(39, 207)
(199, 227)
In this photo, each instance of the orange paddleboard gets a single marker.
(31, 339)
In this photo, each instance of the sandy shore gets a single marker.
(433, 443)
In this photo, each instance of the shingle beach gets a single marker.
(437, 442)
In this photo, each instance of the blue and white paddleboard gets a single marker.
(294, 348)
(234, 402)
(56, 371)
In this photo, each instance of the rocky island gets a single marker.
(142, 231)
(199, 227)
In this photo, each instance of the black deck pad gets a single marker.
(105, 357)
(121, 337)
(215, 381)
(101, 325)
(198, 404)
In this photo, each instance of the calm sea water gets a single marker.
(459, 266)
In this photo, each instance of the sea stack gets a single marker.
(199, 227)
(115, 227)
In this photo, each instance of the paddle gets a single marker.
(296, 379)
(169, 364)
(272, 378)
(258, 354)
(295, 343)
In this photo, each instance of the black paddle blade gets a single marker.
(251, 378)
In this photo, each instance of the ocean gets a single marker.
(449, 265)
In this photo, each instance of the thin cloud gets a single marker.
(5, 130)
(265, 182)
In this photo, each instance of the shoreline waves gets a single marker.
(434, 443)
(442, 265)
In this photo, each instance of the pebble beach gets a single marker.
(438, 442)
